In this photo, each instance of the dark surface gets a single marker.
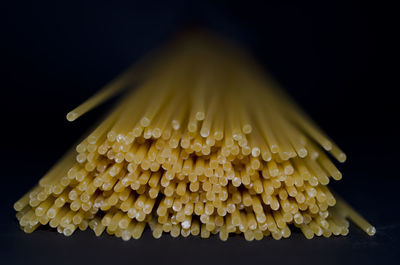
(333, 58)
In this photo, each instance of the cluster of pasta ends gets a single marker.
(202, 142)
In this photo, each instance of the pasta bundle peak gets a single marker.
(202, 142)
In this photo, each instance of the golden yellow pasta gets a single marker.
(203, 142)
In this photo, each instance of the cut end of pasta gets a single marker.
(71, 116)
(342, 157)
(371, 231)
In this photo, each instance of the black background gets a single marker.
(333, 58)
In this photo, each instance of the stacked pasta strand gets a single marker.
(205, 144)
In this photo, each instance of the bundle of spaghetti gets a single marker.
(202, 142)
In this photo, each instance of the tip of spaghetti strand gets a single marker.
(200, 115)
(302, 152)
(327, 145)
(145, 122)
(204, 133)
(175, 125)
(247, 129)
(71, 116)
(18, 206)
(370, 230)
(342, 157)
